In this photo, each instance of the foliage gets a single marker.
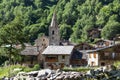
(36, 67)
(79, 15)
(111, 29)
(9, 70)
(11, 35)
(117, 64)
(65, 31)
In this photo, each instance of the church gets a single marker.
(48, 50)
(33, 53)
(54, 35)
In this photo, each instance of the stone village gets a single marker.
(51, 52)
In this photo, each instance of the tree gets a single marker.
(65, 31)
(111, 29)
(11, 35)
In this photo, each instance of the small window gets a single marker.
(43, 39)
(63, 57)
(90, 55)
(52, 32)
(94, 55)
(52, 37)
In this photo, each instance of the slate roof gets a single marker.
(58, 50)
(54, 21)
(99, 49)
(30, 50)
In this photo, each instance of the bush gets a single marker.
(117, 63)
(4, 71)
(36, 67)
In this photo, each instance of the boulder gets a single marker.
(44, 72)
(60, 77)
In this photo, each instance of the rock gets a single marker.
(113, 72)
(66, 77)
(44, 72)
(58, 70)
(33, 73)
(60, 77)
(72, 76)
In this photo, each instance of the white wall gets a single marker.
(92, 59)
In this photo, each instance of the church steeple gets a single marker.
(54, 21)
(54, 36)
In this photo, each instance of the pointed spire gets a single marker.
(54, 20)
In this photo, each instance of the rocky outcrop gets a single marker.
(103, 73)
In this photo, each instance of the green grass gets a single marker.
(8, 70)
(78, 69)
(117, 63)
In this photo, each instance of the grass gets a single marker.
(117, 63)
(78, 69)
(8, 70)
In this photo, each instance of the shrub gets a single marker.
(117, 63)
(36, 67)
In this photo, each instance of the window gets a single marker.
(106, 54)
(90, 55)
(52, 32)
(94, 55)
(52, 37)
(63, 57)
(43, 39)
(93, 63)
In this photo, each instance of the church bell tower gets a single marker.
(54, 35)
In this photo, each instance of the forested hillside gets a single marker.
(75, 18)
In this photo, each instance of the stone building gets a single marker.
(57, 56)
(53, 38)
(54, 35)
(41, 43)
(104, 56)
(103, 43)
(94, 33)
(30, 55)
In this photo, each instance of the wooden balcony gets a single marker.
(110, 58)
(78, 62)
(51, 60)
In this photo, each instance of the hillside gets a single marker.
(75, 17)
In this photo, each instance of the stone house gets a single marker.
(57, 56)
(30, 55)
(104, 56)
(94, 33)
(80, 56)
(84, 46)
(103, 43)
(42, 42)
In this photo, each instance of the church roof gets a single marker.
(54, 21)
(58, 50)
